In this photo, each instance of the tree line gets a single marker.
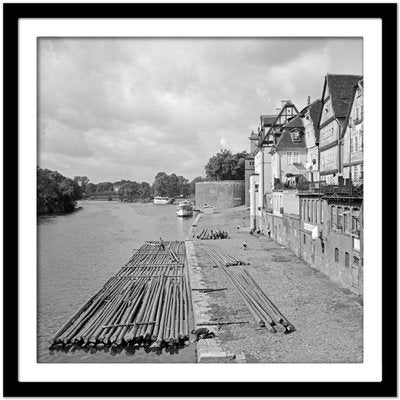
(56, 193)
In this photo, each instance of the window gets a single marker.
(289, 157)
(336, 254)
(296, 136)
(296, 158)
(346, 259)
(339, 218)
(355, 173)
(355, 222)
(308, 210)
(304, 238)
(322, 212)
(316, 211)
(310, 205)
(346, 220)
(333, 217)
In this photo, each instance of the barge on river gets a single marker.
(162, 200)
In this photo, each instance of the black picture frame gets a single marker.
(12, 12)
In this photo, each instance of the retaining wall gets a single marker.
(220, 194)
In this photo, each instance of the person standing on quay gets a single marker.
(162, 245)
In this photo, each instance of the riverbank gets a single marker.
(328, 320)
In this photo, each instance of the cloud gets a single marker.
(128, 108)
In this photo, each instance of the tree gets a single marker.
(145, 190)
(192, 185)
(161, 183)
(104, 187)
(82, 181)
(55, 192)
(226, 166)
(91, 188)
(170, 185)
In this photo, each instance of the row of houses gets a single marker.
(304, 179)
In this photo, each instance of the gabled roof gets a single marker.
(295, 122)
(353, 94)
(340, 89)
(286, 141)
(315, 114)
(274, 124)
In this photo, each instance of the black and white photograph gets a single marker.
(200, 200)
(199, 208)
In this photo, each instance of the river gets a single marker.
(79, 252)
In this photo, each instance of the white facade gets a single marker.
(312, 163)
(254, 200)
(353, 142)
(262, 168)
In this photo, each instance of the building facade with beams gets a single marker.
(310, 116)
(353, 137)
(331, 211)
(315, 203)
(336, 95)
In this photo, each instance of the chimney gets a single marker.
(308, 100)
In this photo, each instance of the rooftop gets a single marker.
(340, 88)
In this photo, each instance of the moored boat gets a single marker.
(162, 200)
(184, 209)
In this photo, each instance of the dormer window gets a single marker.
(296, 136)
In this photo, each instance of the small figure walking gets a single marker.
(269, 233)
(162, 245)
(244, 245)
(238, 227)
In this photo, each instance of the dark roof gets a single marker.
(267, 120)
(350, 106)
(275, 124)
(286, 142)
(295, 122)
(340, 88)
(315, 113)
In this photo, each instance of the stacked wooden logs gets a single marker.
(263, 310)
(145, 304)
(210, 234)
(217, 257)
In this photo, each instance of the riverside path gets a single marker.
(328, 319)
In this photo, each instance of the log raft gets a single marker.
(147, 303)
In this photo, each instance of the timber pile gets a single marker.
(263, 310)
(145, 304)
(210, 234)
(218, 257)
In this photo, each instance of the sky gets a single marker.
(127, 108)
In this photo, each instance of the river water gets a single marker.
(79, 252)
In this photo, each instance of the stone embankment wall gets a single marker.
(220, 194)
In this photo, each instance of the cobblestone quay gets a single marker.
(327, 318)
